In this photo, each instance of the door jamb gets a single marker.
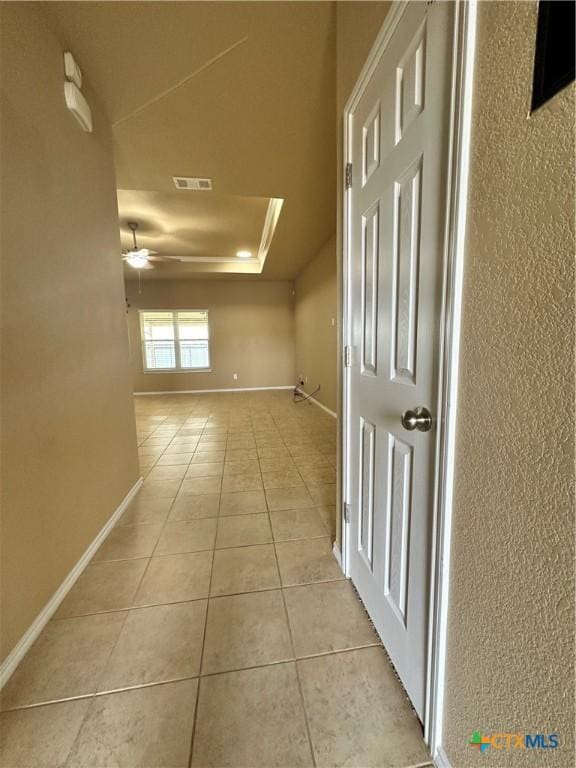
(456, 208)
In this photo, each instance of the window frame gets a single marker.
(175, 325)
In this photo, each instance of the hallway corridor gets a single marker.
(213, 626)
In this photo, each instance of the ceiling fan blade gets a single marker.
(147, 266)
(164, 257)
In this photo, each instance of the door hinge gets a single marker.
(348, 175)
(347, 356)
(346, 512)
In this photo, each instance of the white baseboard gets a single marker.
(441, 758)
(20, 649)
(208, 391)
(337, 555)
(318, 403)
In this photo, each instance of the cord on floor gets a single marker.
(300, 396)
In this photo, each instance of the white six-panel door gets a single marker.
(399, 137)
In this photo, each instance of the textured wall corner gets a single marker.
(316, 340)
(511, 644)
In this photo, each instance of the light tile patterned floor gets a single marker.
(213, 627)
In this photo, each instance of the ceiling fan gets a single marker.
(142, 258)
(138, 258)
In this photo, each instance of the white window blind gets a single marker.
(175, 340)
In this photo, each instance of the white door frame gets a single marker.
(453, 258)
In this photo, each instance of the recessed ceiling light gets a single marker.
(244, 255)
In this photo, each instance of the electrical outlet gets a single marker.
(235, 376)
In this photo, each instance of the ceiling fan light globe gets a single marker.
(137, 260)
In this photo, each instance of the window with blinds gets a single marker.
(175, 340)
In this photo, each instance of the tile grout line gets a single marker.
(217, 549)
(156, 683)
(298, 679)
(98, 694)
(103, 671)
(201, 662)
(296, 670)
(280, 661)
(420, 765)
(196, 599)
(167, 516)
(269, 522)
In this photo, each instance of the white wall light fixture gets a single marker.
(75, 101)
(72, 70)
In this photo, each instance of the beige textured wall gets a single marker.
(511, 649)
(68, 433)
(315, 312)
(357, 26)
(251, 332)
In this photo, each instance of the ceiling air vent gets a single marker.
(185, 182)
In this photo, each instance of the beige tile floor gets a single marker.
(214, 627)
